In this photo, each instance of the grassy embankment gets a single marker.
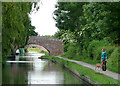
(84, 71)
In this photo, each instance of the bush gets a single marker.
(46, 53)
(93, 53)
(97, 54)
(78, 52)
(71, 50)
(84, 53)
(113, 61)
(94, 48)
(66, 47)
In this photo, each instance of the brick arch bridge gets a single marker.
(54, 46)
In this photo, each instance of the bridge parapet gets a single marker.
(47, 38)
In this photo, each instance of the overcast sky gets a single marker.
(43, 18)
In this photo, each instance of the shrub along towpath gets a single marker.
(107, 72)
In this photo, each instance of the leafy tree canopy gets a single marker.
(16, 25)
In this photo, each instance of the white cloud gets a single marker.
(43, 18)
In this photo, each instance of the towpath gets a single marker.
(107, 72)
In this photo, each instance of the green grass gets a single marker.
(34, 49)
(87, 60)
(113, 68)
(84, 71)
(38, 50)
(46, 53)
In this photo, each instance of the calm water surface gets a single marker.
(29, 69)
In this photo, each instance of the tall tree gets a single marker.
(16, 26)
(90, 21)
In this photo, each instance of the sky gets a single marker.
(43, 18)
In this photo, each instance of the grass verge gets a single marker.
(94, 62)
(87, 60)
(84, 71)
(35, 49)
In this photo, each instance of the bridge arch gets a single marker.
(54, 46)
(36, 45)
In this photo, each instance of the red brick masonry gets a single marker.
(54, 46)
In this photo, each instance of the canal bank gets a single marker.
(75, 73)
(92, 76)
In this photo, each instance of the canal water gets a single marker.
(28, 69)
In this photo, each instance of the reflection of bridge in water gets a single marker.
(54, 46)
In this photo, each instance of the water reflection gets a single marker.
(49, 75)
(29, 69)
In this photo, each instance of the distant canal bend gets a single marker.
(29, 69)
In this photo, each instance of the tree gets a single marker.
(16, 26)
(88, 22)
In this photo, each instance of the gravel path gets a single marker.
(107, 72)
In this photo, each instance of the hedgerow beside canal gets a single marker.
(92, 54)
